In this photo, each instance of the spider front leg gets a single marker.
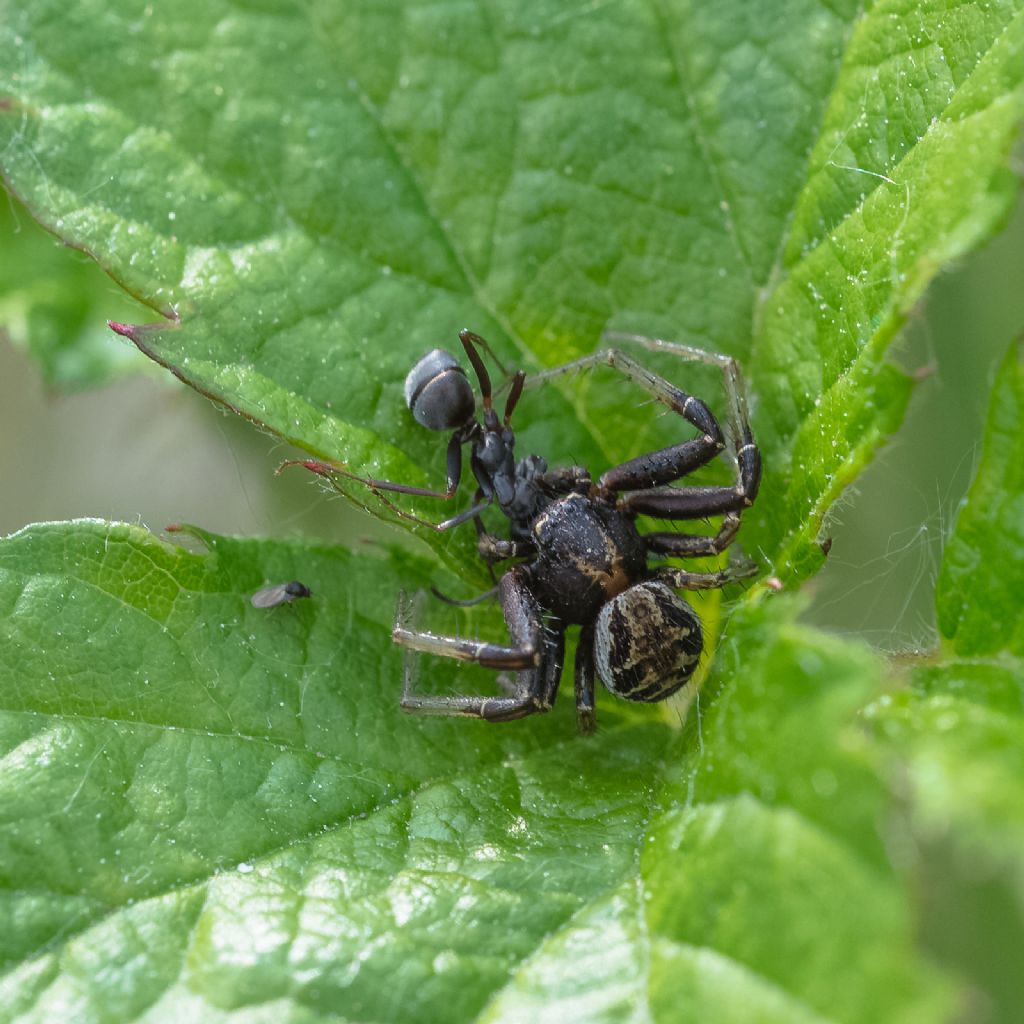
(740, 438)
(535, 652)
(662, 467)
(669, 463)
(651, 499)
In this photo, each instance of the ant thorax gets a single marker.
(529, 499)
(515, 486)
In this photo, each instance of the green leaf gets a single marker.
(964, 724)
(53, 302)
(954, 738)
(954, 749)
(783, 818)
(217, 812)
(982, 579)
(314, 194)
(189, 754)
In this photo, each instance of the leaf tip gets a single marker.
(125, 330)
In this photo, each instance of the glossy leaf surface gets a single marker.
(317, 193)
(218, 812)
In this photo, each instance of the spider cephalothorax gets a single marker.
(579, 558)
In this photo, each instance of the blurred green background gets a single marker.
(144, 448)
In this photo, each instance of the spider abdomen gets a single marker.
(647, 642)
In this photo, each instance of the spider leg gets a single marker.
(680, 579)
(661, 467)
(685, 502)
(549, 675)
(493, 548)
(552, 661)
(693, 409)
(467, 602)
(565, 480)
(740, 439)
(584, 681)
(694, 545)
(535, 653)
(522, 616)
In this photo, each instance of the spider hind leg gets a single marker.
(536, 655)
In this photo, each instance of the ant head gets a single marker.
(438, 392)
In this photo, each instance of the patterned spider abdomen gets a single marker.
(647, 642)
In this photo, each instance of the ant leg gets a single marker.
(514, 395)
(448, 524)
(330, 472)
(584, 681)
(529, 654)
(328, 469)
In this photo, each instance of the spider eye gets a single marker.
(438, 393)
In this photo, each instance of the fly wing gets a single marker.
(279, 593)
(271, 597)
